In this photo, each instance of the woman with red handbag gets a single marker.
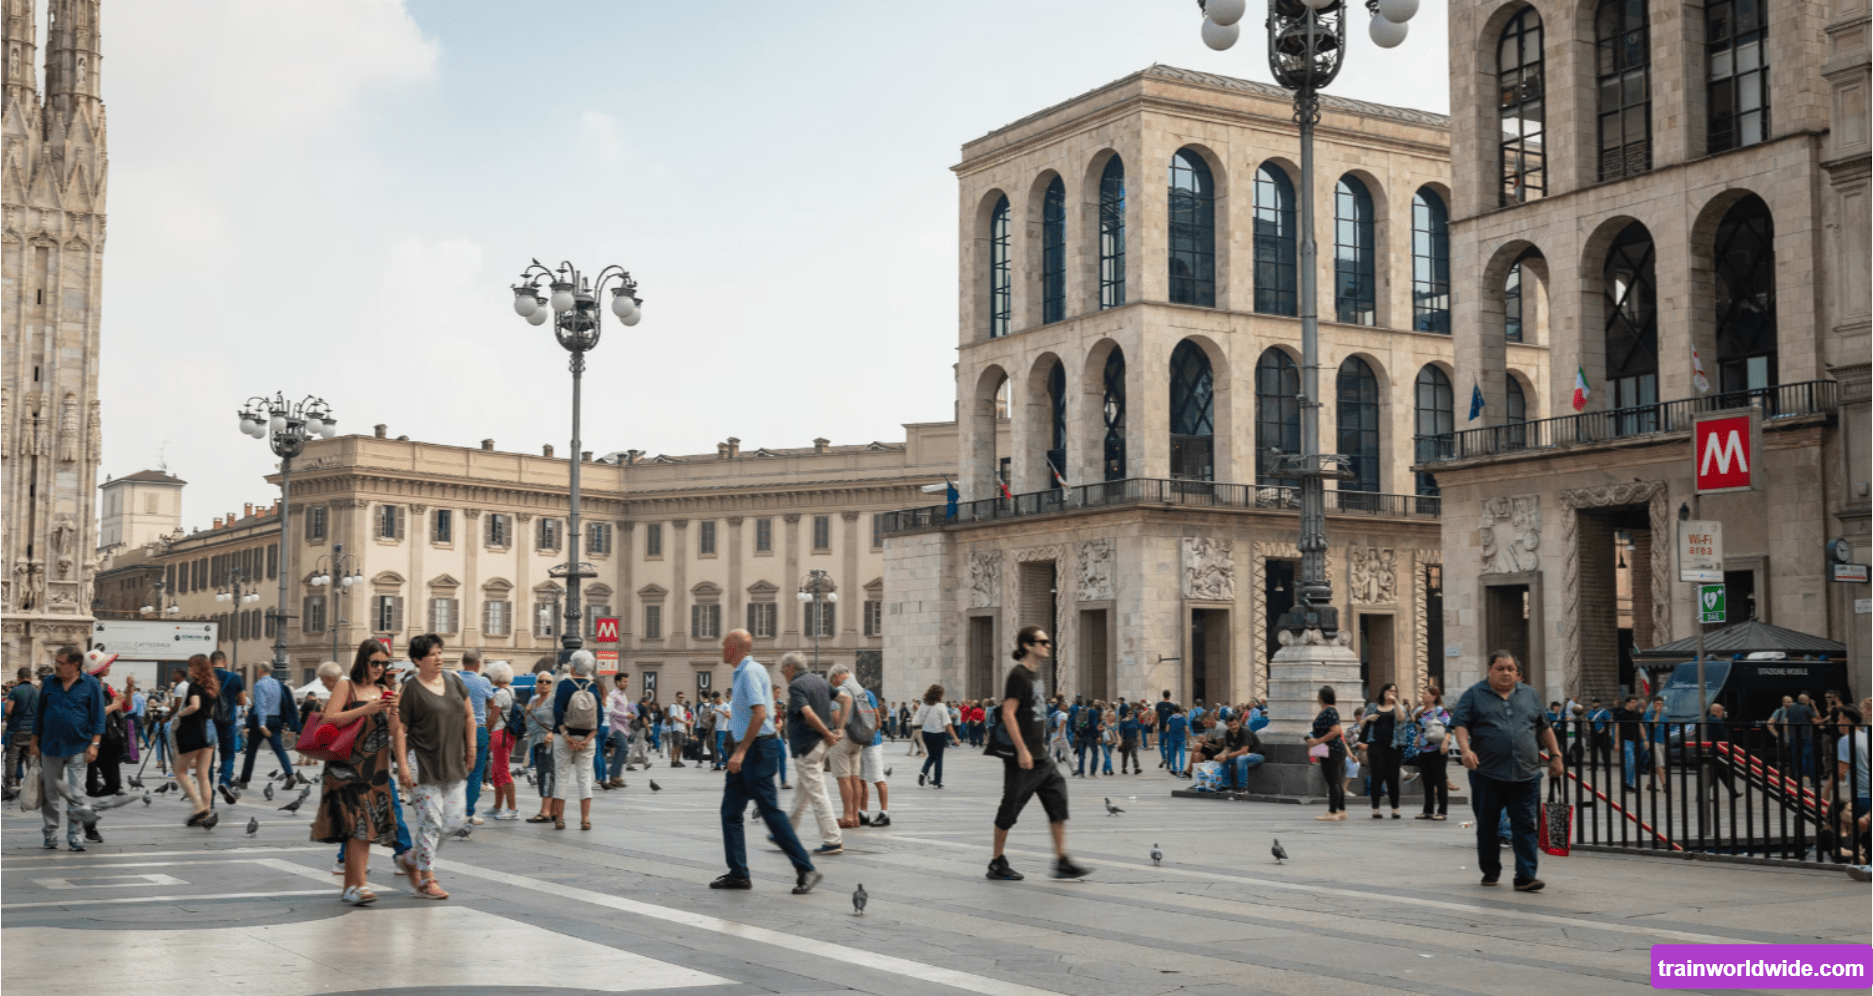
(356, 808)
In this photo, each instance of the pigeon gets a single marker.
(1112, 810)
(77, 804)
(293, 807)
(887, 772)
(135, 782)
(859, 899)
(115, 801)
(268, 791)
(1156, 855)
(253, 826)
(654, 787)
(164, 787)
(1279, 853)
(146, 798)
(213, 818)
(275, 773)
(303, 780)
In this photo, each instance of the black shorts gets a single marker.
(1019, 786)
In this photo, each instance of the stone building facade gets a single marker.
(1128, 298)
(53, 180)
(138, 509)
(1683, 190)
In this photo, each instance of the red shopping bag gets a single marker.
(1557, 822)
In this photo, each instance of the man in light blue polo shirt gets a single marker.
(751, 770)
(480, 690)
(273, 712)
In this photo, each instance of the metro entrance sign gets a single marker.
(1724, 452)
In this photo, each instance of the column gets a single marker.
(468, 535)
(790, 583)
(676, 624)
(734, 600)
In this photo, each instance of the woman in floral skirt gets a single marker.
(355, 806)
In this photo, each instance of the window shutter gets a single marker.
(305, 615)
(487, 619)
(403, 517)
(396, 613)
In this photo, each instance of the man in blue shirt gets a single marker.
(272, 714)
(480, 690)
(233, 693)
(1500, 728)
(66, 734)
(751, 770)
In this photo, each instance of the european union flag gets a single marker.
(950, 498)
(1476, 400)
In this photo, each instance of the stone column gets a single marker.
(676, 625)
(734, 598)
(468, 534)
(790, 584)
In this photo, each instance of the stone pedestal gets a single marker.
(1295, 674)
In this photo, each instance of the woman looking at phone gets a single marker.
(356, 804)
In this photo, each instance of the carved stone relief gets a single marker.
(1209, 569)
(68, 430)
(1095, 571)
(1511, 533)
(985, 579)
(1375, 575)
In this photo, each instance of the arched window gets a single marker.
(1275, 268)
(1277, 413)
(1112, 235)
(1746, 334)
(1112, 410)
(1436, 418)
(1624, 59)
(1512, 304)
(1193, 414)
(1193, 231)
(1359, 424)
(1057, 430)
(1054, 253)
(1519, 96)
(1001, 273)
(1632, 327)
(1355, 288)
(1737, 33)
(1516, 406)
(1430, 263)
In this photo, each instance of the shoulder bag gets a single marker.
(325, 741)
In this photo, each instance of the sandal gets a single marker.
(559, 824)
(1422, 816)
(539, 818)
(358, 896)
(430, 890)
(585, 825)
(1440, 816)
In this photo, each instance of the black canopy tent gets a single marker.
(1749, 686)
(1749, 637)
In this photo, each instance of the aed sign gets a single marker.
(1724, 453)
(606, 629)
(1700, 551)
(1710, 603)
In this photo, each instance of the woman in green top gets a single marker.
(434, 719)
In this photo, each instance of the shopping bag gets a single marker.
(32, 786)
(1208, 777)
(1317, 752)
(1557, 823)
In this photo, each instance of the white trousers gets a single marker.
(440, 810)
(810, 789)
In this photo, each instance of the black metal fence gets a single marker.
(1157, 491)
(1810, 397)
(1717, 790)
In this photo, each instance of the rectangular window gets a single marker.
(592, 614)
(387, 614)
(874, 617)
(761, 619)
(653, 540)
(764, 535)
(653, 622)
(549, 534)
(495, 620)
(387, 522)
(705, 538)
(705, 622)
(315, 522)
(545, 619)
(273, 563)
(820, 621)
(442, 615)
(312, 616)
(442, 527)
(877, 530)
(499, 530)
(822, 533)
(598, 538)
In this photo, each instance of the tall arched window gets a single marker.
(1112, 235)
(1277, 412)
(1736, 32)
(1112, 411)
(1057, 429)
(1746, 333)
(1632, 327)
(1430, 262)
(1623, 70)
(1001, 273)
(1355, 286)
(1436, 418)
(1054, 253)
(1359, 423)
(1512, 304)
(1193, 231)
(1193, 414)
(1519, 101)
(1516, 408)
(1275, 268)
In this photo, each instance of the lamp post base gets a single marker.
(1295, 674)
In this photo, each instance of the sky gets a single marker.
(333, 198)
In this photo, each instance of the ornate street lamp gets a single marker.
(337, 571)
(241, 589)
(163, 602)
(817, 589)
(287, 426)
(577, 319)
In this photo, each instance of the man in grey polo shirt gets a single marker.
(1498, 722)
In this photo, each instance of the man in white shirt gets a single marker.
(678, 731)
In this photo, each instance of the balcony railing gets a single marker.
(1810, 397)
(1155, 491)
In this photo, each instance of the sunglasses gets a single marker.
(380, 663)
(1042, 643)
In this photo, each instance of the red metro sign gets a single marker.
(1724, 453)
(606, 629)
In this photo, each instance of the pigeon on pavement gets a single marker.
(275, 773)
(253, 826)
(268, 791)
(1112, 810)
(146, 798)
(887, 772)
(135, 782)
(859, 899)
(77, 804)
(1156, 855)
(1279, 853)
(164, 787)
(654, 787)
(113, 802)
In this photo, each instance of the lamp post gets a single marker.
(816, 589)
(163, 602)
(287, 426)
(338, 572)
(577, 320)
(240, 590)
(1306, 46)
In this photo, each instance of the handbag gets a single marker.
(1317, 753)
(323, 741)
(1557, 822)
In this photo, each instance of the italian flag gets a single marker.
(1580, 389)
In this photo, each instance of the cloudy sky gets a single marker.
(332, 197)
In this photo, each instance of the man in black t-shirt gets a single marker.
(1030, 772)
(1631, 741)
(1165, 708)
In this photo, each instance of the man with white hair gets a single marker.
(479, 692)
(809, 740)
(849, 704)
(273, 712)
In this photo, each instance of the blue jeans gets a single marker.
(1080, 751)
(755, 783)
(228, 746)
(656, 737)
(274, 732)
(1174, 753)
(1236, 770)
(1492, 798)
(783, 767)
(1106, 749)
(403, 831)
(721, 749)
(481, 767)
(620, 744)
(598, 756)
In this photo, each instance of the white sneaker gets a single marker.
(339, 868)
(507, 814)
(476, 820)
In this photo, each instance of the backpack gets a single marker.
(223, 712)
(517, 719)
(861, 724)
(1087, 720)
(582, 708)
